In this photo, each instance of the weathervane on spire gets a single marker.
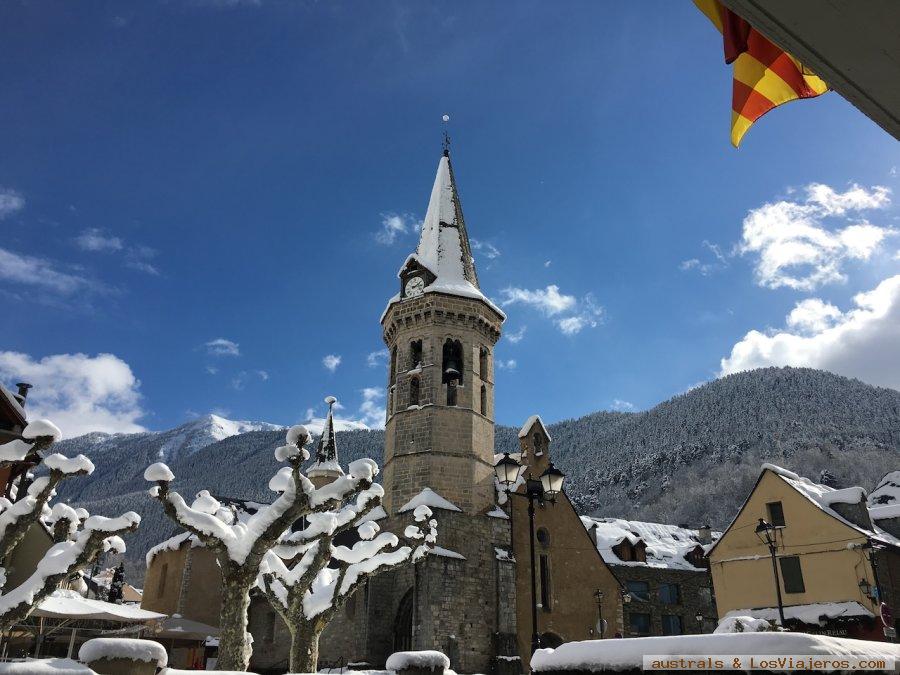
(446, 118)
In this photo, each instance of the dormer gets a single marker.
(414, 277)
(628, 552)
(697, 557)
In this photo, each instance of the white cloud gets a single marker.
(517, 336)
(263, 375)
(509, 364)
(10, 202)
(548, 300)
(331, 361)
(394, 225)
(547, 263)
(240, 380)
(378, 358)
(79, 393)
(211, 370)
(720, 261)
(813, 316)
(622, 406)
(223, 347)
(141, 266)
(93, 239)
(42, 273)
(487, 249)
(372, 408)
(861, 342)
(794, 249)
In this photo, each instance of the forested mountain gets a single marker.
(692, 459)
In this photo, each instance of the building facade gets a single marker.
(665, 574)
(836, 563)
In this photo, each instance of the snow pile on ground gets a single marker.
(123, 648)
(596, 655)
(430, 498)
(174, 671)
(45, 667)
(742, 624)
(428, 659)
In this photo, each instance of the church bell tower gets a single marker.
(441, 330)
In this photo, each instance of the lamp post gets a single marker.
(544, 488)
(699, 618)
(767, 535)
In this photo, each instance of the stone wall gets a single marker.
(696, 597)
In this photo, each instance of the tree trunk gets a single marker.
(305, 648)
(234, 647)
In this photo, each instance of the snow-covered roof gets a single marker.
(13, 403)
(523, 432)
(825, 497)
(887, 491)
(326, 462)
(444, 248)
(601, 655)
(430, 498)
(814, 614)
(65, 604)
(667, 545)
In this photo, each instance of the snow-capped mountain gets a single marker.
(691, 459)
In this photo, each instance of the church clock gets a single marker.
(414, 287)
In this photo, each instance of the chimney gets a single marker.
(23, 392)
(704, 534)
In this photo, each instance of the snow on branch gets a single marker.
(78, 537)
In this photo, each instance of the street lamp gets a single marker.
(767, 535)
(699, 618)
(544, 488)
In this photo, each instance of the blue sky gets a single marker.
(177, 173)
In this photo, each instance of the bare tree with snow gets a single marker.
(79, 538)
(241, 547)
(309, 594)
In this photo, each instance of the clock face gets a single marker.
(414, 287)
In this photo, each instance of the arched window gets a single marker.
(452, 368)
(414, 391)
(538, 442)
(415, 353)
(484, 410)
(483, 363)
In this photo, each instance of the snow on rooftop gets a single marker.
(667, 545)
(445, 553)
(67, 604)
(430, 498)
(825, 497)
(598, 655)
(444, 248)
(814, 614)
(523, 432)
(887, 491)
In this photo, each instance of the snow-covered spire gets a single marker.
(444, 243)
(326, 464)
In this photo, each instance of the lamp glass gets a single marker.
(552, 480)
(507, 469)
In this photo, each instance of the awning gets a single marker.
(815, 614)
(64, 604)
(179, 628)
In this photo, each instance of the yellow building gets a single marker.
(825, 544)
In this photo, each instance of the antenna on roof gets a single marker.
(445, 119)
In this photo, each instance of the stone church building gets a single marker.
(471, 598)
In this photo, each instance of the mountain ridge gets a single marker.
(691, 459)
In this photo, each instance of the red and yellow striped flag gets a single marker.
(765, 76)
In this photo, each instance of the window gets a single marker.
(639, 590)
(164, 572)
(538, 441)
(638, 623)
(545, 583)
(543, 537)
(484, 410)
(670, 594)
(671, 624)
(483, 363)
(451, 393)
(414, 391)
(791, 574)
(452, 368)
(415, 353)
(776, 513)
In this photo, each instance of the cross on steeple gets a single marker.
(326, 464)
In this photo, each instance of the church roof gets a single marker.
(326, 462)
(444, 248)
